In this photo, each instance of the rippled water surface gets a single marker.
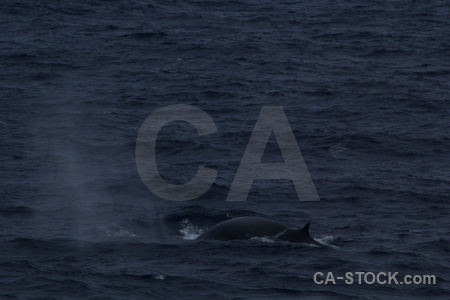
(364, 84)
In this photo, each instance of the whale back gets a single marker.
(244, 228)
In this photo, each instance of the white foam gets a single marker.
(115, 232)
(189, 231)
(263, 239)
(159, 276)
(328, 240)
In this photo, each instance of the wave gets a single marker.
(9, 210)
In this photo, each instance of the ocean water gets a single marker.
(365, 86)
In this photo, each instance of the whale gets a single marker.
(244, 228)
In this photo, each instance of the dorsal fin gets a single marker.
(307, 237)
(306, 228)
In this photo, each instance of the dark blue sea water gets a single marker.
(364, 84)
